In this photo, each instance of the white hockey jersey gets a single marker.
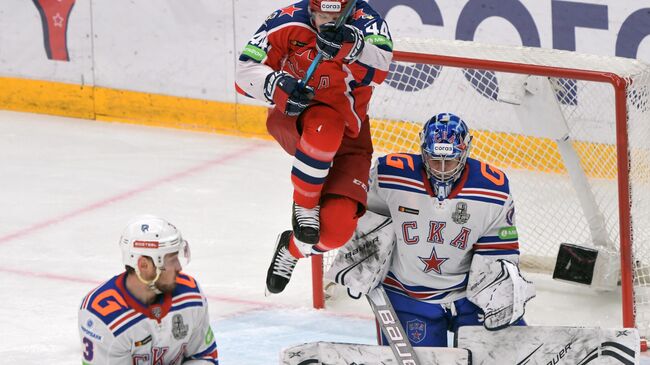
(437, 240)
(115, 328)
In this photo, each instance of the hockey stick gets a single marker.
(319, 57)
(391, 327)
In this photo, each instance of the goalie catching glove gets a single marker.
(286, 93)
(344, 43)
(497, 287)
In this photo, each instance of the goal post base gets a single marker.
(587, 265)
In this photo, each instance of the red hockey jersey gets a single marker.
(287, 41)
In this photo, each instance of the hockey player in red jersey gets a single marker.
(152, 313)
(324, 125)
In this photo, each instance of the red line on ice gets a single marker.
(128, 194)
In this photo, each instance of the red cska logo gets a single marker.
(54, 16)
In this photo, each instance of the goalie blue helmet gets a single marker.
(445, 144)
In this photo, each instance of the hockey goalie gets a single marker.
(440, 241)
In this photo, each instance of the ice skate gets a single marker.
(306, 224)
(282, 265)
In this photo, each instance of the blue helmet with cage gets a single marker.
(445, 144)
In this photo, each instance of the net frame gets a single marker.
(618, 72)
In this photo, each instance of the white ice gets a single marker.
(68, 186)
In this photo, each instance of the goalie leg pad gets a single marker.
(497, 287)
(551, 345)
(362, 262)
(348, 353)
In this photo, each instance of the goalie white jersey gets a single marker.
(436, 240)
(115, 328)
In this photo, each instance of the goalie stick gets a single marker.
(391, 327)
(319, 57)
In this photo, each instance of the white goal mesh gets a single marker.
(559, 200)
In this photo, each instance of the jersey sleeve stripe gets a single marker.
(290, 24)
(186, 296)
(125, 323)
(401, 180)
(400, 183)
(186, 304)
(500, 246)
(484, 192)
(497, 253)
(124, 317)
(481, 199)
(495, 239)
(241, 91)
(400, 187)
(209, 353)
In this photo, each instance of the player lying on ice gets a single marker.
(325, 125)
(152, 313)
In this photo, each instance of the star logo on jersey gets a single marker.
(360, 14)
(289, 10)
(417, 330)
(433, 262)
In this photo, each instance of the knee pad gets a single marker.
(338, 220)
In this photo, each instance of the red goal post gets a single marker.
(578, 162)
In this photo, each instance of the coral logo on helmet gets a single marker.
(146, 244)
(444, 149)
(144, 228)
(330, 6)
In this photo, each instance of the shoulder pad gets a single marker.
(108, 305)
(401, 171)
(187, 293)
(401, 164)
(485, 183)
(294, 13)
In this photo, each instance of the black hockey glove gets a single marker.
(284, 91)
(344, 43)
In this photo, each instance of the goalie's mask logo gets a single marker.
(445, 143)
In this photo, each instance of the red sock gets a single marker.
(322, 133)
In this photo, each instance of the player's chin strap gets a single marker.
(150, 284)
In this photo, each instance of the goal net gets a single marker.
(571, 131)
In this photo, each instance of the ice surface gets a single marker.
(68, 187)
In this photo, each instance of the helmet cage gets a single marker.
(445, 138)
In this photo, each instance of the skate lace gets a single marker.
(284, 264)
(307, 217)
